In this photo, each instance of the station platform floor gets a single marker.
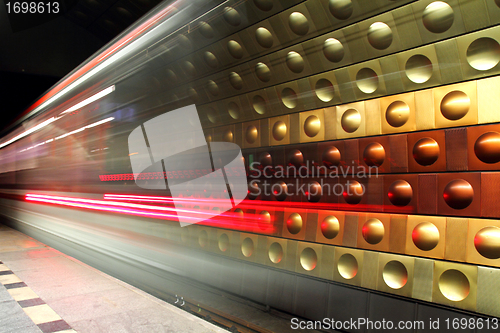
(44, 290)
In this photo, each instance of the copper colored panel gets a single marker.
(330, 154)
(459, 194)
(294, 223)
(375, 152)
(399, 153)
(374, 232)
(455, 285)
(490, 192)
(426, 235)
(483, 242)
(395, 274)
(311, 225)
(456, 233)
(427, 151)
(483, 147)
(348, 267)
(456, 149)
(330, 227)
(351, 155)
(401, 193)
(351, 222)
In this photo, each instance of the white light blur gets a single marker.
(31, 130)
(91, 99)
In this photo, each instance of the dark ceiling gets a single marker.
(36, 53)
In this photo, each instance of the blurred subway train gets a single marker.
(320, 158)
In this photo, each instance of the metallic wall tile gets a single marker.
(488, 100)
(331, 49)
(419, 68)
(346, 87)
(264, 36)
(311, 226)
(374, 232)
(294, 127)
(398, 228)
(330, 120)
(475, 14)
(325, 89)
(399, 153)
(375, 152)
(424, 109)
(482, 245)
(368, 79)
(409, 35)
(456, 104)
(291, 255)
(351, 120)
(318, 15)
(294, 223)
(247, 248)
(225, 242)
(290, 97)
(251, 134)
(456, 149)
(392, 75)
(380, 35)
(349, 266)
(330, 227)
(277, 253)
(456, 231)
(422, 279)
(279, 130)
(395, 274)
(489, 194)
(447, 53)
(493, 11)
(350, 235)
(427, 151)
(327, 262)
(488, 279)
(356, 41)
(426, 236)
(428, 195)
(482, 147)
(298, 22)
(455, 285)
(369, 272)
(294, 62)
(309, 258)
(373, 118)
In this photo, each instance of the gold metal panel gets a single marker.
(351, 120)
(370, 270)
(380, 35)
(332, 50)
(246, 247)
(367, 79)
(488, 285)
(312, 126)
(294, 223)
(488, 100)
(251, 134)
(298, 22)
(398, 113)
(327, 262)
(348, 267)
(455, 285)
(308, 259)
(325, 89)
(279, 130)
(419, 68)
(225, 134)
(264, 37)
(373, 118)
(225, 242)
(398, 228)
(276, 252)
(236, 47)
(422, 279)
(426, 236)
(266, 71)
(290, 97)
(374, 232)
(483, 242)
(209, 114)
(330, 123)
(456, 105)
(294, 62)
(456, 235)
(261, 104)
(330, 228)
(424, 109)
(479, 53)
(395, 274)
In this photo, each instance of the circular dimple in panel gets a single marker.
(213, 88)
(235, 80)
(234, 110)
(373, 231)
(483, 54)
(487, 147)
(295, 158)
(314, 192)
(455, 105)
(264, 37)
(374, 154)
(454, 285)
(458, 194)
(367, 80)
(235, 49)
(294, 223)
(312, 126)
(395, 274)
(380, 35)
(289, 98)
(298, 23)
(487, 242)
(259, 104)
(203, 238)
(275, 252)
(497, 2)
(438, 17)
(400, 193)
(211, 115)
(210, 59)
(206, 30)
(228, 136)
(280, 191)
(330, 227)
(185, 42)
(252, 134)
(425, 236)
(347, 266)
(333, 50)
(351, 120)
(331, 157)
(340, 9)
(232, 16)
(294, 62)
(238, 212)
(308, 259)
(223, 242)
(265, 159)
(247, 247)
(279, 130)
(170, 76)
(426, 151)
(263, 72)
(397, 113)
(353, 192)
(189, 68)
(418, 68)
(324, 90)
(265, 217)
(265, 5)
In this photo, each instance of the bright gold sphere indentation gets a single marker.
(259, 104)
(418, 68)
(331, 157)
(347, 266)
(340, 9)
(298, 23)
(308, 259)
(380, 35)
(235, 80)
(351, 120)
(275, 252)
(400, 193)
(397, 113)
(265, 217)
(455, 105)
(223, 242)
(247, 247)
(234, 110)
(367, 80)
(263, 72)
(395, 274)
(483, 54)
(458, 194)
(228, 136)
(373, 231)
(425, 236)
(426, 151)
(330, 227)
(235, 49)
(212, 115)
(264, 37)
(324, 90)
(251, 134)
(289, 98)
(312, 126)
(333, 50)
(487, 147)
(279, 130)
(454, 285)
(294, 62)
(294, 223)
(487, 242)
(438, 17)
(374, 154)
